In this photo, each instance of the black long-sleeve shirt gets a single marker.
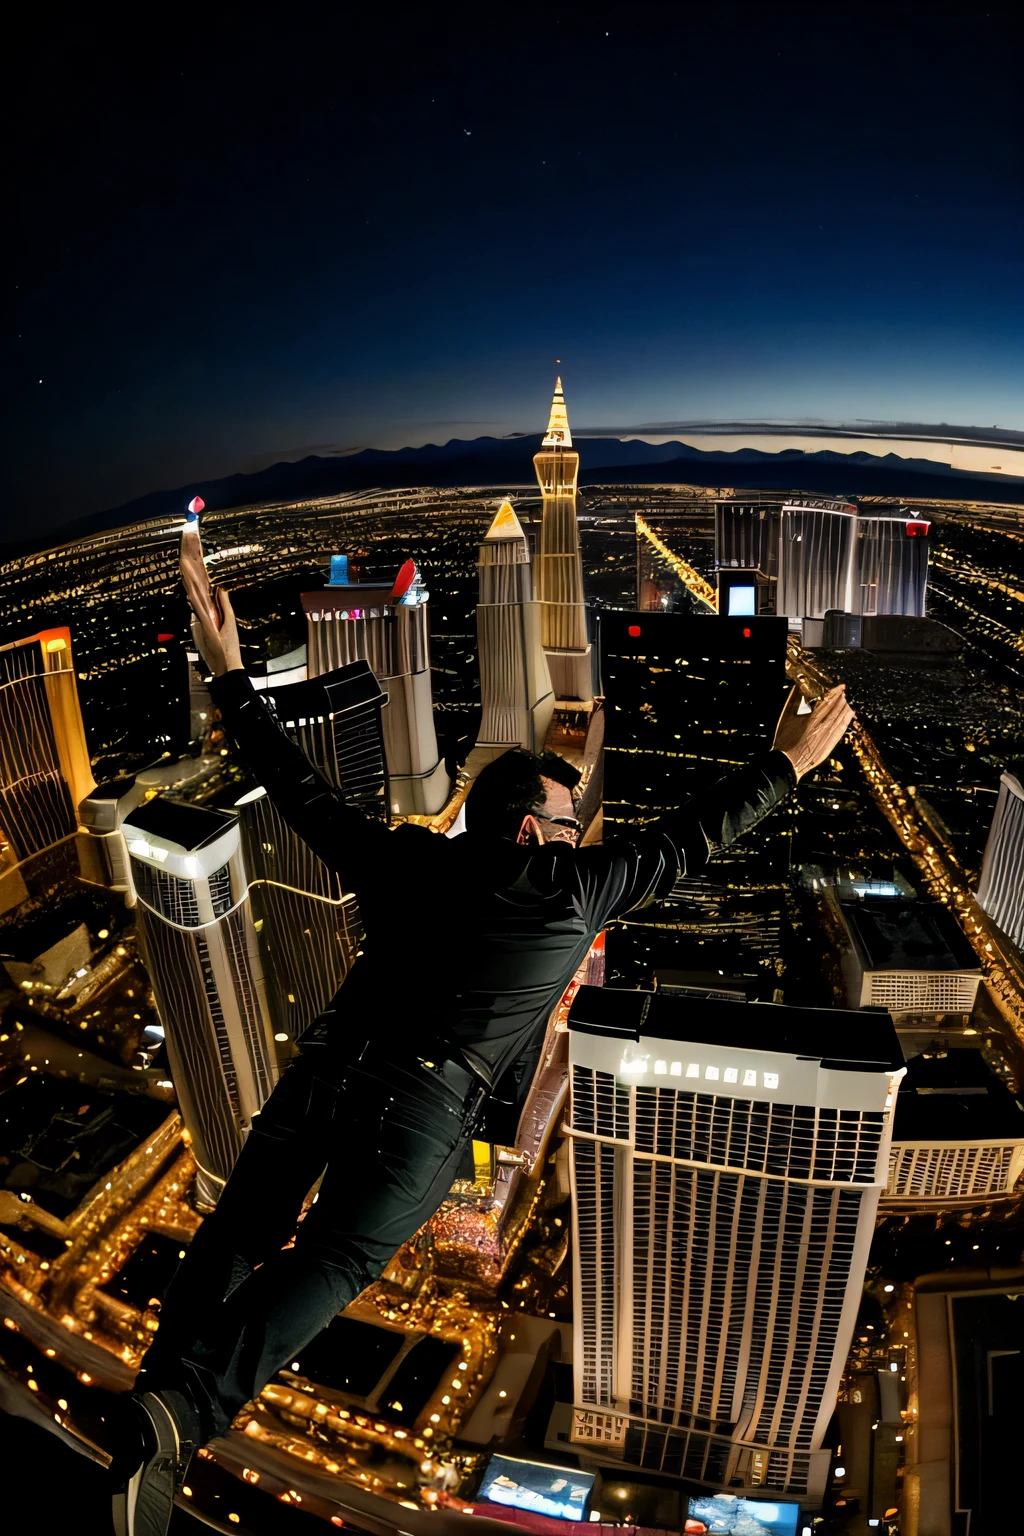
(471, 940)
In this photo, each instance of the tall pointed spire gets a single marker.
(558, 434)
(559, 564)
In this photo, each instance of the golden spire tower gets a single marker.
(559, 567)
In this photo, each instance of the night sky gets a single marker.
(238, 239)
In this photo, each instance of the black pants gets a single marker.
(391, 1135)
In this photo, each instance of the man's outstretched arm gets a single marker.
(338, 833)
(639, 867)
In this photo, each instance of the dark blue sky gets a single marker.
(244, 237)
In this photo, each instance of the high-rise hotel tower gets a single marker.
(351, 622)
(200, 952)
(515, 684)
(559, 567)
(304, 913)
(1001, 888)
(44, 760)
(726, 1165)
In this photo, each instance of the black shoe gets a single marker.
(143, 1505)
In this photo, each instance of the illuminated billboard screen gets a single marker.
(741, 602)
(720, 1514)
(560, 1492)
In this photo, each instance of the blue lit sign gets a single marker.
(560, 1492)
(723, 1514)
(339, 571)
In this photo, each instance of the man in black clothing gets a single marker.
(470, 943)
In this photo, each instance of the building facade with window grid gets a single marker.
(200, 950)
(687, 699)
(909, 957)
(306, 919)
(1001, 888)
(958, 1134)
(44, 760)
(725, 1178)
(350, 623)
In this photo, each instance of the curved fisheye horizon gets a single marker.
(512, 772)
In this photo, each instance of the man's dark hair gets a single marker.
(510, 788)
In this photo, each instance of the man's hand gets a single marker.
(217, 642)
(809, 739)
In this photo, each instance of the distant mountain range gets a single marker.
(497, 462)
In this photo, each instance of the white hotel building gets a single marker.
(725, 1177)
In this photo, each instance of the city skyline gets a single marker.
(850, 856)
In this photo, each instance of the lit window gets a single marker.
(711, 1073)
(693, 1070)
(660, 1068)
(676, 1069)
(771, 1079)
(731, 1075)
(749, 1079)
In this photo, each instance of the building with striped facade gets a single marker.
(817, 558)
(306, 919)
(369, 623)
(44, 761)
(559, 564)
(1001, 888)
(892, 562)
(200, 952)
(515, 685)
(726, 1165)
(909, 957)
(827, 555)
(958, 1134)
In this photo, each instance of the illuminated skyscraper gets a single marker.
(892, 562)
(747, 536)
(200, 952)
(44, 761)
(369, 623)
(515, 684)
(725, 1176)
(686, 699)
(559, 566)
(1001, 888)
(817, 558)
(910, 957)
(306, 920)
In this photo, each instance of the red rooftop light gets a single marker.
(746, 634)
(917, 528)
(162, 638)
(634, 631)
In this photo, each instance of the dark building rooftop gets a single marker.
(331, 692)
(34, 937)
(345, 598)
(190, 826)
(706, 984)
(851, 1040)
(893, 935)
(112, 789)
(955, 1098)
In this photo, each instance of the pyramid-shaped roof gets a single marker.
(505, 525)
